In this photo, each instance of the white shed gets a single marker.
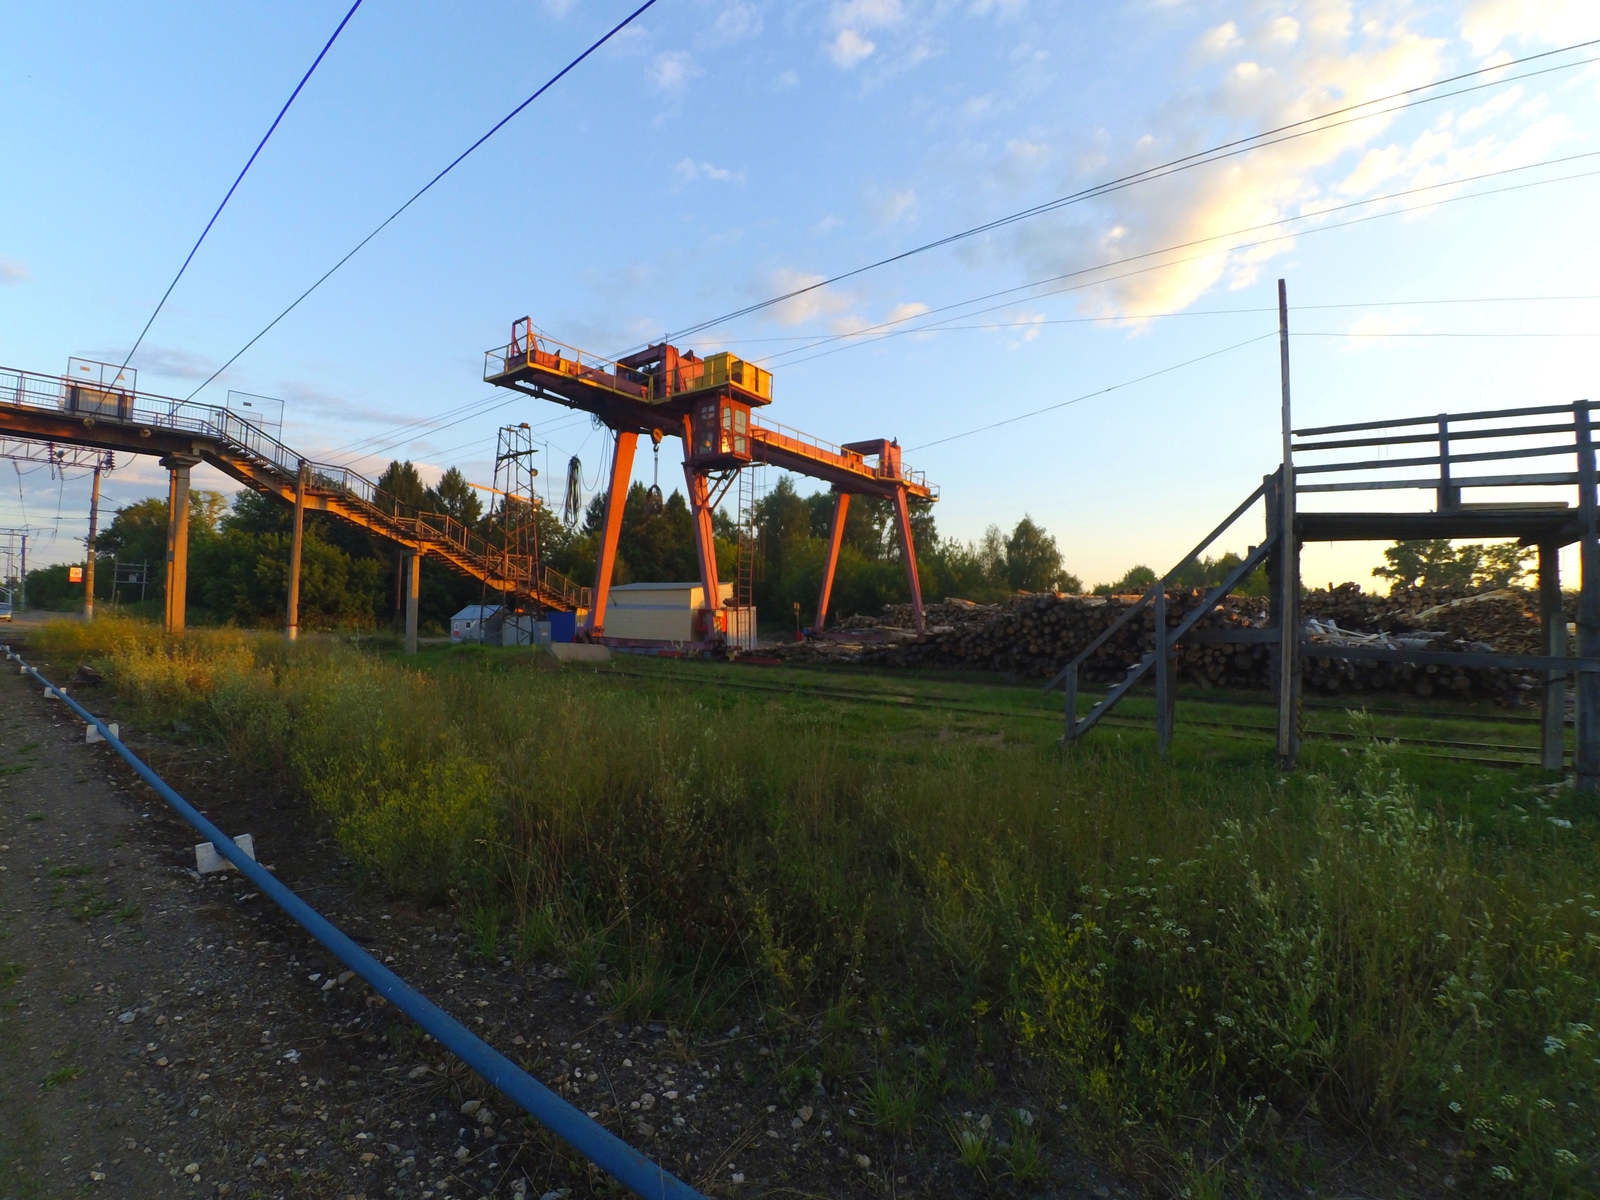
(476, 623)
(658, 612)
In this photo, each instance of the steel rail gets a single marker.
(588, 1137)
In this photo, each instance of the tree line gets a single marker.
(239, 555)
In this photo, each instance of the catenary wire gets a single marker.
(271, 129)
(1115, 387)
(1187, 162)
(1105, 266)
(858, 338)
(356, 249)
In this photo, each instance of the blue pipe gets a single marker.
(589, 1138)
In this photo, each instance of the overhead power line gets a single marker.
(271, 129)
(454, 163)
(1115, 387)
(1224, 150)
(885, 329)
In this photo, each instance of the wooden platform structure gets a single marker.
(99, 410)
(1519, 497)
(708, 403)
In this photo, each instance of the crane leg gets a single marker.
(841, 507)
(705, 544)
(616, 499)
(908, 551)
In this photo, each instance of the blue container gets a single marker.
(563, 626)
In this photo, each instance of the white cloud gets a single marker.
(559, 8)
(891, 207)
(1488, 25)
(12, 271)
(849, 48)
(1221, 39)
(688, 171)
(850, 18)
(672, 70)
(871, 14)
(823, 302)
(1289, 61)
(786, 79)
(1003, 8)
(736, 22)
(905, 311)
(1372, 327)
(164, 361)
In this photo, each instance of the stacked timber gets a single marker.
(1035, 635)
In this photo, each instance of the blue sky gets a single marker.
(721, 152)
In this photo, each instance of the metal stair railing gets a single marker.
(1067, 677)
(265, 456)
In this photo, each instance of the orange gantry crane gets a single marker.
(709, 403)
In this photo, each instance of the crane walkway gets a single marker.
(67, 411)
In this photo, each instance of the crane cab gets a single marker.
(720, 429)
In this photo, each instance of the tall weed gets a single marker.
(1182, 953)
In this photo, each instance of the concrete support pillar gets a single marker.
(292, 624)
(178, 468)
(908, 551)
(841, 509)
(1553, 635)
(616, 498)
(413, 598)
(88, 559)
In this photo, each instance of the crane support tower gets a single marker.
(710, 405)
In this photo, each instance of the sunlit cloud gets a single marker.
(12, 271)
(1292, 62)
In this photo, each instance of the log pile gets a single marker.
(1035, 635)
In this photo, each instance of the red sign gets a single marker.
(74, 574)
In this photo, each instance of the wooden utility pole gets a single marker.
(88, 559)
(1289, 565)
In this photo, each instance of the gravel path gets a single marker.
(168, 1034)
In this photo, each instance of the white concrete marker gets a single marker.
(207, 861)
(91, 735)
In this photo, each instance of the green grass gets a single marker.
(1391, 943)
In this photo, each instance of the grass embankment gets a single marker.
(1198, 959)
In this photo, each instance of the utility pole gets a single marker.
(1288, 573)
(22, 595)
(88, 561)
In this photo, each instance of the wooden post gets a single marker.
(178, 468)
(1553, 633)
(413, 598)
(908, 550)
(1449, 495)
(841, 507)
(616, 499)
(1587, 750)
(292, 630)
(1163, 670)
(1289, 565)
(88, 559)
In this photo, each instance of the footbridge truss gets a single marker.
(68, 412)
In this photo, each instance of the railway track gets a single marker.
(1253, 731)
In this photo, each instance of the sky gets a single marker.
(721, 152)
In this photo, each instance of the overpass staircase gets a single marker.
(71, 412)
